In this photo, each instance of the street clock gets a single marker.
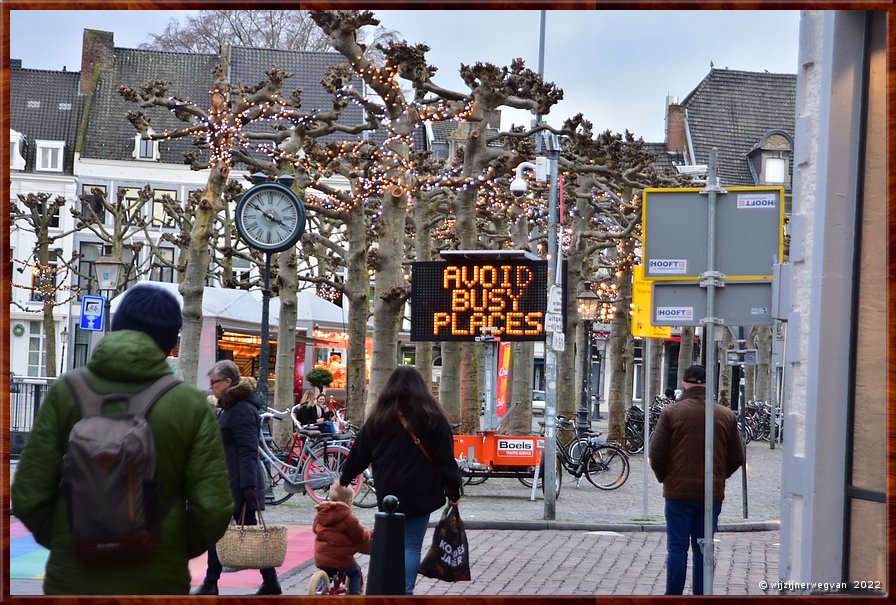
(270, 216)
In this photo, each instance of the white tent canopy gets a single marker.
(241, 309)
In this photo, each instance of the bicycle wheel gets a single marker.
(634, 440)
(320, 583)
(608, 468)
(323, 468)
(558, 477)
(575, 446)
(274, 492)
(366, 496)
(475, 479)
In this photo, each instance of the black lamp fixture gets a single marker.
(588, 303)
(63, 338)
(107, 269)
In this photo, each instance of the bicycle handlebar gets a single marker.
(275, 413)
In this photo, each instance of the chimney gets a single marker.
(96, 51)
(675, 137)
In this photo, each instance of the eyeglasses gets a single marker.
(213, 382)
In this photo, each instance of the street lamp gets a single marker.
(63, 338)
(588, 303)
(107, 269)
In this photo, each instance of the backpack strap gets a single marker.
(92, 403)
(141, 402)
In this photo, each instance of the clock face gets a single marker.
(270, 217)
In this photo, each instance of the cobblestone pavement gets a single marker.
(599, 543)
(503, 502)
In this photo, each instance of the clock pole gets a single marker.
(263, 365)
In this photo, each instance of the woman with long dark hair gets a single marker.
(420, 475)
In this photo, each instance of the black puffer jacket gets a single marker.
(240, 425)
(400, 469)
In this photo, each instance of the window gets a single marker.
(92, 204)
(241, 269)
(163, 266)
(16, 145)
(36, 348)
(49, 155)
(160, 218)
(43, 281)
(54, 220)
(90, 251)
(638, 371)
(130, 197)
(145, 149)
(769, 160)
(775, 170)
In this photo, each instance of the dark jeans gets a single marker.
(684, 526)
(353, 574)
(214, 567)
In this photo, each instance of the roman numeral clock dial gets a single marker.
(270, 217)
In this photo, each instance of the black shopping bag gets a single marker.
(448, 559)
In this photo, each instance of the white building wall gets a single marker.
(21, 243)
(828, 105)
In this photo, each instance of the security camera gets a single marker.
(518, 187)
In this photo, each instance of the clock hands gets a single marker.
(268, 216)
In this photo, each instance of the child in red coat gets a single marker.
(338, 535)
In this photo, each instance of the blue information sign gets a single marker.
(93, 315)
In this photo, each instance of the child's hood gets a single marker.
(331, 513)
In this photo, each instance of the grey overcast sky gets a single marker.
(615, 66)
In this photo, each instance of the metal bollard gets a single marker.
(385, 574)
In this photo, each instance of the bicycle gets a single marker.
(604, 465)
(633, 442)
(309, 465)
(330, 582)
(365, 497)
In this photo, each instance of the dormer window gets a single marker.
(770, 159)
(145, 149)
(49, 155)
(16, 146)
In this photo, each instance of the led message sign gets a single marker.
(455, 300)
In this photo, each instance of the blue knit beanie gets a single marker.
(152, 310)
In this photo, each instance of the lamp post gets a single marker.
(587, 308)
(107, 269)
(63, 338)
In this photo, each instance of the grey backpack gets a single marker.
(109, 480)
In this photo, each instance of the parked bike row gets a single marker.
(310, 460)
(756, 422)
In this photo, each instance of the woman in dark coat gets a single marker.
(400, 467)
(240, 425)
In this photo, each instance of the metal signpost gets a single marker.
(689, 271)
(642, 326)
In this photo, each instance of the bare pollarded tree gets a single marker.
(208, 30)
(223, 127)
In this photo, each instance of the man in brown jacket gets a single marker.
(677, 459)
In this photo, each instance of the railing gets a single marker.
(25, 397)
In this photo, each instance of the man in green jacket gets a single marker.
(192, 475)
